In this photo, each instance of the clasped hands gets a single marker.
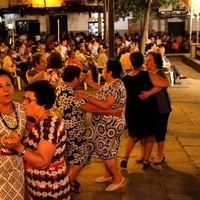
(87, 77)
(12, 140)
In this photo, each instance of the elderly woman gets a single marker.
(73, 111)
(38, 63)
(43, 149)
(105, 130)
(141, 115)
(52, 72)
(12, 119)
(154, 64)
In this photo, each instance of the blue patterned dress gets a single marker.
(106, 130)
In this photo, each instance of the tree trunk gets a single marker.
(145, 26)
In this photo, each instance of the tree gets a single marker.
(142, 10)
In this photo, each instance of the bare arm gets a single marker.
(88, 107)
(102, 104)
(39, 76)
(90, 82)
(147, 94)
(158, 81)
(39, 159)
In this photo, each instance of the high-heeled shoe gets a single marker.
(146, 164)
(139, 159)
(123, 163)
(159, 160)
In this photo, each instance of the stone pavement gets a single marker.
(178, 178)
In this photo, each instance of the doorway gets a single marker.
(177, 28)
(54, 24)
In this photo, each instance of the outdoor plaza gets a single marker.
(178, 178)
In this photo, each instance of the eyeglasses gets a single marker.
(28, 100)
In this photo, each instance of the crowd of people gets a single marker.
(45, 135)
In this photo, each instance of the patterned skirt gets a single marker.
(11, 177)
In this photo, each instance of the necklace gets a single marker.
(108, 84)
(17, 119)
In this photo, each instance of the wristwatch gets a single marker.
(23, 152)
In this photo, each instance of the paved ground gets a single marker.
(176, 179)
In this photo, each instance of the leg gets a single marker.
(141, 157)
(160, 146)
(129, 147)
(74, 172)
(174, 73)
(148, 145)
(161, 157)
(72, 178)
(111, 169)
(118, 180)
(160, 137)
(177, 71)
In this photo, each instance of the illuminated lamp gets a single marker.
(46, 3)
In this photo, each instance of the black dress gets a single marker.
(141, 115)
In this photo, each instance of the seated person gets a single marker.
(88, 62)
(38, 63)
(72, 60)
(166, 64)
(10, 64)
(103, 57)
(2, 56)
(81, 57)
(125, 61)
(3, 48)
(174, 46)
(150, 47)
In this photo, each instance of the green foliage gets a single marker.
(138, 7)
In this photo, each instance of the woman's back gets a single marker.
(141, 115)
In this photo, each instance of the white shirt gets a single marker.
(9, 64)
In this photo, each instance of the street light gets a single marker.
(13, 22)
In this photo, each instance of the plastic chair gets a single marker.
(100, 74)
(85, 86)
(18, 79)
(171, 77)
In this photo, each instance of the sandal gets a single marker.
(159, 160)
(183, 77)
(123, 163)
(177, 82)
(146, 164)
(139, 159)
(75, 187)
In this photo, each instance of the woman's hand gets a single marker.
(88, 77)
(12, 140)
(117, 111)
(80, 95)
(144, 95)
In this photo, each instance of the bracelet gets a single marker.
(23, 152)
(2, 141)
